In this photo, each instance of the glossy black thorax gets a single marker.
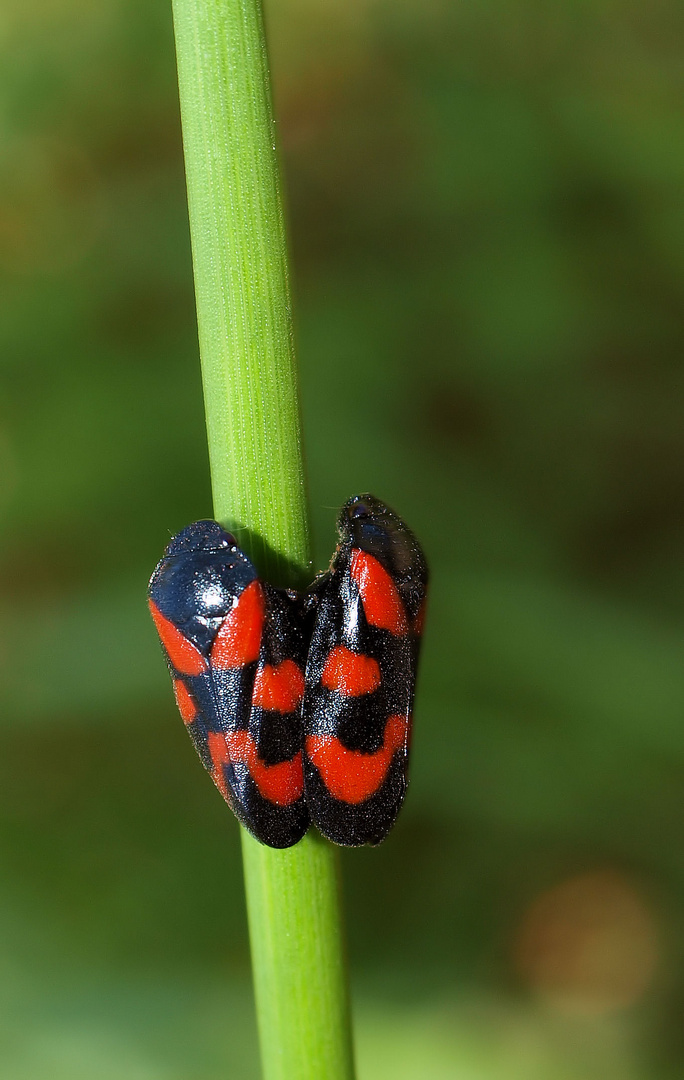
(197, 581)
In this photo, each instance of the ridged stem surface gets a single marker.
(244, 312)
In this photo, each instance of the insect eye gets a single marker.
(359, 510)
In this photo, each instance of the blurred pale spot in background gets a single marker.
(590, 944)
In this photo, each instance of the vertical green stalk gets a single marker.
(250, 391)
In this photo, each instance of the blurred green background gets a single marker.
(487, 220)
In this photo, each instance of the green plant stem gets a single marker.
(250, 390)
(241, 281)
(298, 961)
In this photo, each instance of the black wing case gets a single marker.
(361, 674)
(258, 764)
(219, 625)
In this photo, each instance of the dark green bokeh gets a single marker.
(487, 220)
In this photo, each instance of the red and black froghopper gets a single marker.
(299, 706)
(367, 613)
(236, 650)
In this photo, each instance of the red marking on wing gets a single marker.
(280, 688)
(350, 673)
(381, 601)
(419, 621)
(185, 657)
(186, 705)
(350, 775)
(281, 784)
(239, 638)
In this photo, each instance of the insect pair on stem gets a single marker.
(299, 704)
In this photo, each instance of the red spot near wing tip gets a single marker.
(185, 703)
(280, 688)
(185, 657)
(350, 673)
(381, 601)
(239, 638)
(281, 784)
(349, 775)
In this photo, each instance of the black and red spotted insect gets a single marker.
(299, 706)
(236, 649)
(361, 674)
